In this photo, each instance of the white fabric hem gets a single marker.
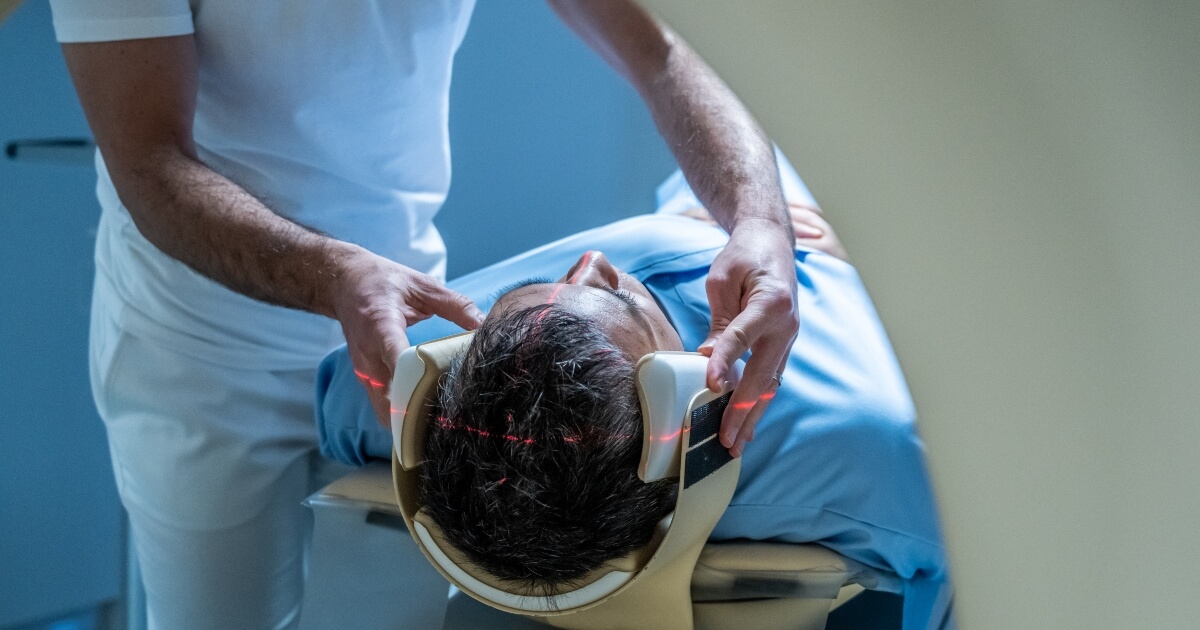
(72, 31)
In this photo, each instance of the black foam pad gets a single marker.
(704, 459)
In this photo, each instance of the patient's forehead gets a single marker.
(584, 301)
(624, 324)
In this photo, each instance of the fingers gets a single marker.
(726, 344)
(432, 298)
(746, 433)
(765, 324)
(453, 306)
(729, 344)
(382, 405)
(377, 394)
(805, 231)
(753, 394)
(381, 299)
(374, 353)
(727, 338)
(813, 231)
(806, 223)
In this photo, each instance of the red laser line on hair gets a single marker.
(449, 425)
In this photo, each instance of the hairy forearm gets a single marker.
(725, 155)
(218, 229)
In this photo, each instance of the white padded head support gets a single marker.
(472, 579)
(414, 393)
(668, 384)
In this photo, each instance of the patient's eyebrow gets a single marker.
(508, 288)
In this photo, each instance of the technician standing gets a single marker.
(268, 175)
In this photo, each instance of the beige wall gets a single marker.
(6, 7)
(1019, 182)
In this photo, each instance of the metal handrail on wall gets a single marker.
(80, 151)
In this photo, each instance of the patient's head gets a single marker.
(531, 468)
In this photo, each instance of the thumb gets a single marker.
(394, 342)
(724, 344)
(725, 308)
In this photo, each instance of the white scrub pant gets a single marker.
(212, 463)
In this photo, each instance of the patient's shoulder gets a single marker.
(646, 240)
(685, 231)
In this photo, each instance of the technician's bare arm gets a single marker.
(731, 166)
(140, 97)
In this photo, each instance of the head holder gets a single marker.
(651, 586)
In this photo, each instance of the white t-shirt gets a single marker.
(333, 113)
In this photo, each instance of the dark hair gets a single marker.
(531, 467)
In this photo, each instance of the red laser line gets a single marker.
(671, 436)
(750, 403)
(553, 294)
(448, 425)
(549, 303)
(363, 376)
(587, 258)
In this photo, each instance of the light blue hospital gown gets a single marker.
(836, 458)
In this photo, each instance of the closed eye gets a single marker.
(625, 297)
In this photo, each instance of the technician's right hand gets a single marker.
(376, 300)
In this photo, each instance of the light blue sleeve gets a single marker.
(347, 430)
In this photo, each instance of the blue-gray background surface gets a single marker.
(60, 522)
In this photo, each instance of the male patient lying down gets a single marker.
(531, 467)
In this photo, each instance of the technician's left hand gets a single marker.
(376, 300)
(752, 292)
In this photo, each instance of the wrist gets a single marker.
(343, 264)
(759, 226)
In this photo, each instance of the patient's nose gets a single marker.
(594, 270)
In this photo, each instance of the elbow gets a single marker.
(134, 168)
(145, 181)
